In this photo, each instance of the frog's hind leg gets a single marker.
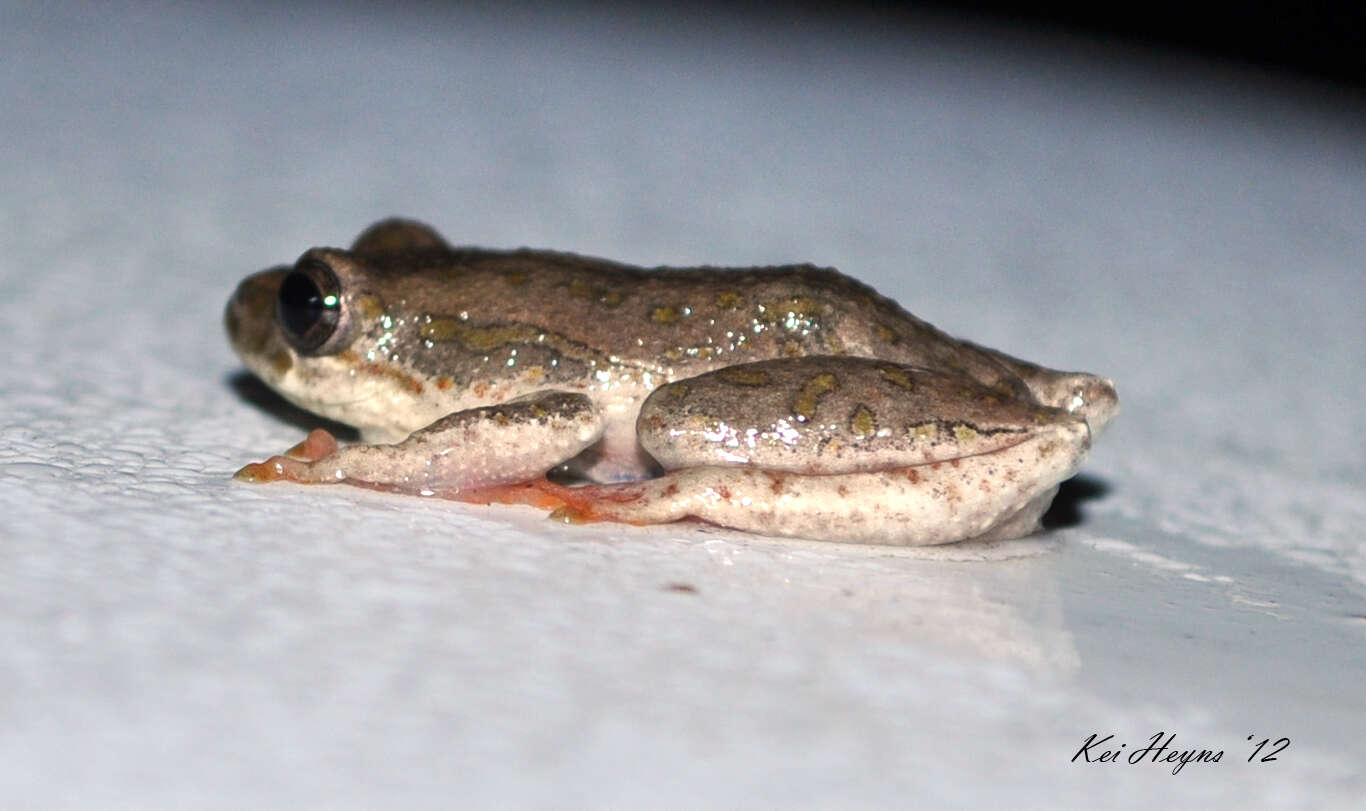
(996, 495)
(582, 504)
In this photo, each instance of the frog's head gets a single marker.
(320, 333)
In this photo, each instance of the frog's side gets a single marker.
(788, 400)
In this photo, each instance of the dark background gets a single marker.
(1298, 40)
(1316, 39)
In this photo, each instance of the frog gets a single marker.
(786, 400)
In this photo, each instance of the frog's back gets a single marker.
(675, 322)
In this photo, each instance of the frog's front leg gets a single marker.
(457, 456)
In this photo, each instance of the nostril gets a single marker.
(1104, 395)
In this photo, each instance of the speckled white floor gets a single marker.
(171, 640)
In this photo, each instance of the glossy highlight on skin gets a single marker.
(787, 400)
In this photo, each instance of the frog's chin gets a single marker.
(328, 388)
(365, 413)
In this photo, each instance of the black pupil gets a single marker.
(301, 303)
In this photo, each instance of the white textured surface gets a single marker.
(171, 640)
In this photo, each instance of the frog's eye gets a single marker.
(309, 307)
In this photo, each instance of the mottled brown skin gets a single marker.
(461, 313)
(427, 331)
(712, 320)
(799, 415)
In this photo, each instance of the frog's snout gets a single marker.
(249, 317)
(1095, 399)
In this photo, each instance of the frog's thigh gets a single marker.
(481, 447)
(998, 495)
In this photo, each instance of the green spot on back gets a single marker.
(862, 422)
(480, 339)
(667, 314)
(804, 406)
(896, 376)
